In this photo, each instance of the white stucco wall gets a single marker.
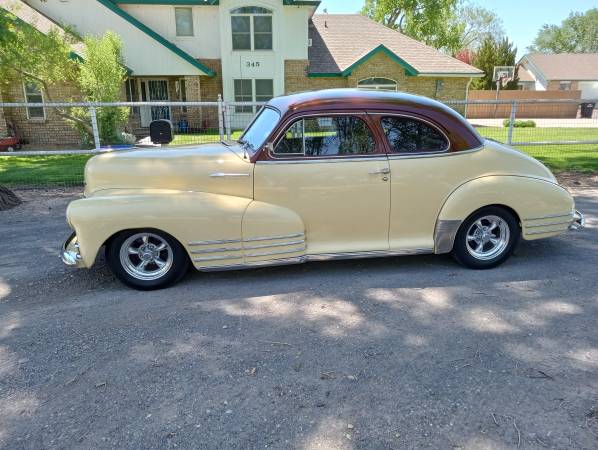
(206, 40)
(142, 54)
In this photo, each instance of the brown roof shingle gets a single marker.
(566, 66)
(340, 40)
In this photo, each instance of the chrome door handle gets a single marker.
(383, 171)
(232, 175)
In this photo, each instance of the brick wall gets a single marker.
(555, 85)
(53, 131)
(380, 65)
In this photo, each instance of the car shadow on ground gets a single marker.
(403, 352)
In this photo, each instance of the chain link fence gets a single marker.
(47, 145)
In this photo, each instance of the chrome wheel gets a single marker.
(487, 237)
(146, 256)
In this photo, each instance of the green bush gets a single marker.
(520, 123)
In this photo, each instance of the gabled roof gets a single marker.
(110, 4)
(341, 42)
(564, 66)
(32, 17)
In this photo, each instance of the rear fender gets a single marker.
(528, 197)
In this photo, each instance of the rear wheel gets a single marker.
(487, 238)
(146, 259)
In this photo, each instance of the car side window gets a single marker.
(408, 135)
(326, 136)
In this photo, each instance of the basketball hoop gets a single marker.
(503, 75)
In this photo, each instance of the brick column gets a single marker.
(193, 90)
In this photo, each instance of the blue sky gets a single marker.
(521, 18)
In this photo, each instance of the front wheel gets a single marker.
(146, 259)
(487, 238)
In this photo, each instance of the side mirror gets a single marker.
(161, 131)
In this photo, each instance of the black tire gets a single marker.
(173, 256)
(463, 248)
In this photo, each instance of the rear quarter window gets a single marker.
(412, 136)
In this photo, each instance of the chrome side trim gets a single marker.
(216, 258)
(228, 175)
(368, 254)
(278, 244)
(252, 265)
(221, 241)
(217, 250)
(444, 235)
(568, 222)
(274, 238)
(282, 252)
(552, 216)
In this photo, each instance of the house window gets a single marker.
(184, 21)
(33, 94)
(251, 28)
(252, 91)
(378, 84)
(565, 86)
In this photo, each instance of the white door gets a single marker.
(154, 91)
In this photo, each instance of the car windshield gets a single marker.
(259, 130)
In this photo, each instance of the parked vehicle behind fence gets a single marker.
(322, 175)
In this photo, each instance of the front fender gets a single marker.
(187, 216)
(532, 199)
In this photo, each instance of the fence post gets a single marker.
(227, 110)
(220, 118)
(94, 127)
(512, 122)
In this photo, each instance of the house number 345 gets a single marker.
(252, 63)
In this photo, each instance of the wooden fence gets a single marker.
(524, 111)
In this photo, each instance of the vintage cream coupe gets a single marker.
(320, 175)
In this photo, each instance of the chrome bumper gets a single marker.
(70, 251)
(579, 221)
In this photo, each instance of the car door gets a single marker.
(423, 175)
(332, 170)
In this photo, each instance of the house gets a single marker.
(562, 71)
(245, 50)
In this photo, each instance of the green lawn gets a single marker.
(577, 157)
(67, 170)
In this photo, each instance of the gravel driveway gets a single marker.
(409, 352)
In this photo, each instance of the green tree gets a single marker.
(476, 24)
(494, 53)
(577, 34)
(429, 21)
(49, 60)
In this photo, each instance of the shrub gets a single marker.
(520, 123)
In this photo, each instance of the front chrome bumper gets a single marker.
(70, 251)
(579, 221)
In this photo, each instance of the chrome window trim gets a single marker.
(409, 116)
(393, 156)
(290, 122)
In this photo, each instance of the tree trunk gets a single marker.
(8, 199)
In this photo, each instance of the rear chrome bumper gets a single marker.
(579, 221)
(70, 252)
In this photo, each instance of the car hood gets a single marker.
(214, 168)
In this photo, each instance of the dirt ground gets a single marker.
(407, 352)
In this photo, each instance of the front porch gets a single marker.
(185, 119)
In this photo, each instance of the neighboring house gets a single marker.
(562, 71)
(248, 50)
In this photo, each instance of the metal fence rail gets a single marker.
(561, 133)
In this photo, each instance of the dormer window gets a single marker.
(251, 28)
